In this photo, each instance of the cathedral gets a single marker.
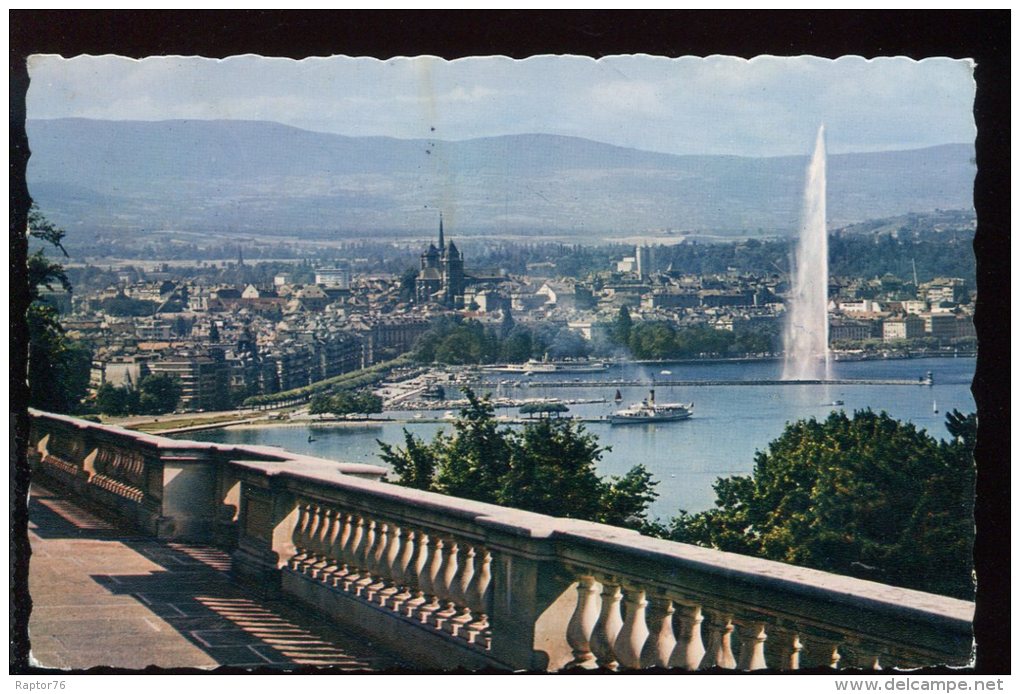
(441, 278)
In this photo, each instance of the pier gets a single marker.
(623, 383)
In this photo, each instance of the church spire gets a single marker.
(442, 244)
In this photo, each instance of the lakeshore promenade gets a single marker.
(106, 597)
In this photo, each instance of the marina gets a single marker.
(740, 408)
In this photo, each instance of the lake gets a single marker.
(730, 422)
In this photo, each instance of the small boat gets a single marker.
(836, 403)
(666, 372)
(619, 396)
(648, 411)
(311, 438)
(934, 407)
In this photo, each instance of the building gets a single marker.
(844, 329)
(333, 277)
(441, 278)
(940, 325)
(904, 328)
(204, 378)
(644, 259)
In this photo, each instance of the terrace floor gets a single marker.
(104, 596)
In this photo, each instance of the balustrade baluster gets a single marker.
(608, 625)
(379, 567)
(367, 553)
(322, 543)
(462, 590)
(690, 649)
(354, 554)
(477, 632)
(434, 573)
(862, 654)
(752, 636)
(391, 565)
(448, 582)
(719, 651)
(582, 623)
(661, 641)
(312, 539)
(634, 632)
(419, 576)
(821, 651)
(784, 649)
(332, 549)
(343, 549)
(298, 537)
(404, 573)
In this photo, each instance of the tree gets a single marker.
(622, 326)
(114, 401)
(346, 402)
(548, 466)
(866, 496)
(158, 394)
(58, 368)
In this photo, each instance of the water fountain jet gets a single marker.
(806, 333)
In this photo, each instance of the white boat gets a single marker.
(534, 366)
(649, 411)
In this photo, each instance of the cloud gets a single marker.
(721, 105)
(625, 97)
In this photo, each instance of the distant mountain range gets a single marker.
(260, 177)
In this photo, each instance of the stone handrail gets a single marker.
(452, 582)
(165, 487)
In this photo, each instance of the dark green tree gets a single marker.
(58, 367)
(866, 496)
(517, 347)
(548, 466)
(158, 394)
(114, 401)
(415, 465)
(622, 327)
(346, 402)
(552, 471)
(473, 460)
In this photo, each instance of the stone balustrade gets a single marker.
(162, 486)
(456, 583)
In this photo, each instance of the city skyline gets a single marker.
(766, 106)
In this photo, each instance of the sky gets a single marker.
(768, 106)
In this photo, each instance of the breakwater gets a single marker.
(619, 383)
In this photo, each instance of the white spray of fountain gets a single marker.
(806, 335)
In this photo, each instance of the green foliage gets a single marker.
(156, 394)
(543, 408)
(58, 368)
(622, 327)
(455, 341)
(452, 340)
(548, 466)
(348, 381)
(518, 347)
(867, 496)
(126, 306)
(111, 400)
(346, 402)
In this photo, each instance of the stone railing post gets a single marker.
(265, 544)
(189, 507)
(533, 599)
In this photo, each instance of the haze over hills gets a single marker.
(261, 177)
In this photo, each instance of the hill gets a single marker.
(261, 177)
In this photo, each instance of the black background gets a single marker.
(981, 35)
